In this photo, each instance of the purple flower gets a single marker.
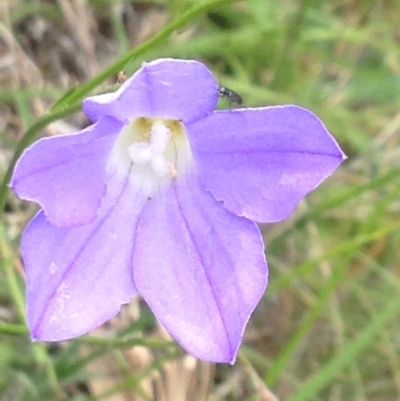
(160, 197)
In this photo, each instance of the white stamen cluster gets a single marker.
(152, 151)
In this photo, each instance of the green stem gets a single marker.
(124, 342)
(13, 329)
(113, 69)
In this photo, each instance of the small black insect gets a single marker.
(230, 94)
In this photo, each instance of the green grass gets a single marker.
(334, 264)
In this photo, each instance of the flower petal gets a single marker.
(78, 278)
(262, 162)
(181, 89)
(201, 269)
(66, 174)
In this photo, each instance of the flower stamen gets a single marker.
(153, 151)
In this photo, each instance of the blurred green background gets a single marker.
(328, 327)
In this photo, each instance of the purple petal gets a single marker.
(201, 269)
(181, 89)
(261, 162)
(78, 278)
(66, 174)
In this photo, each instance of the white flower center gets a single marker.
(152, 151)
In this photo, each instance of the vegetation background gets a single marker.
(328, 327)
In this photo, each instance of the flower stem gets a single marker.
(113, 69)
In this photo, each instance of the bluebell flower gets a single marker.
(160, 197)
